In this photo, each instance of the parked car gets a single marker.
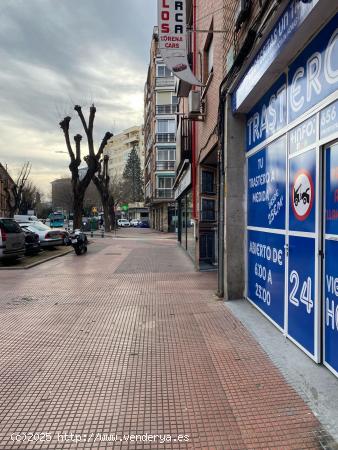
(123, 223)
(47, 236)
(134, 222)
(143, 224)
(12, 239)
(24, 218)
(32, 243)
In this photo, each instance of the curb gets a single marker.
(37, 263)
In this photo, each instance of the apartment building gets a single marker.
(160, 106)
(119, 147)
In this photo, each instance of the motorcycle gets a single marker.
(78, 240)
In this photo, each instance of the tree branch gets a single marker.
(64, 124)
(78, 139)
(104, 142)
(78, 109)
(91, 119)
(88, 128)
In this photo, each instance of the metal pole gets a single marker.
(221, 196)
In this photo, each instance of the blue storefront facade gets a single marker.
(292, 181)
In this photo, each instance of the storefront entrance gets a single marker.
(330, 266)
(292, 201)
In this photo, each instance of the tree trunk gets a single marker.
(78, 208)
(105, 202)
(112, 212)
(77, 219)
(107, 226)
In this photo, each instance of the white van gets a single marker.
(25, 218)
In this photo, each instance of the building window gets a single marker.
(208, 182)
(208, 210)
(166, 157)
(165, 182)
(166, 154)
(163, 98)
(163, 71)
(166, 126)
(164, 187)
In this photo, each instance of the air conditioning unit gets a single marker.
(194, 103)
(242, 13)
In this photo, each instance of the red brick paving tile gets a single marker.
(129, 340)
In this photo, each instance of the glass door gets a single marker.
(303, 306)
(330, 272)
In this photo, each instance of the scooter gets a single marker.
(78, 240)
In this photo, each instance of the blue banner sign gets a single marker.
(303, 135)
(287, 25)
(301, 288)
(331, 189)
(302, 209)
(266, 186)
(314, 74)
(331, 305)
(268, 116)
(266, 271)
(329, 120)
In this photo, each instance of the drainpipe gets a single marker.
(193, 150)
(221, 193)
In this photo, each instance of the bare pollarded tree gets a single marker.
(80, 184)
(15, 191)
(102, 182)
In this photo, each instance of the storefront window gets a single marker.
(190, 227)
(183, 223)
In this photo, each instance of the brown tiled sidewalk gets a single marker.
(130, 340)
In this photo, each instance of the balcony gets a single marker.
(165, 138)
(166, 109)
(165, 193)
(165, 165)
(165, 82)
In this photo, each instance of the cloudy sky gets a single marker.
(57, 53)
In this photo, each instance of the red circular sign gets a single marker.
(302, 194)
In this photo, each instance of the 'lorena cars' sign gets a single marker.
(172, 38)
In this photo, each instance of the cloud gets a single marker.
(56, 54)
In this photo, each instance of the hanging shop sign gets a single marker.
(286, 27)
(302, 192)
(266, 272)
(266, 187)
(172, 39)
